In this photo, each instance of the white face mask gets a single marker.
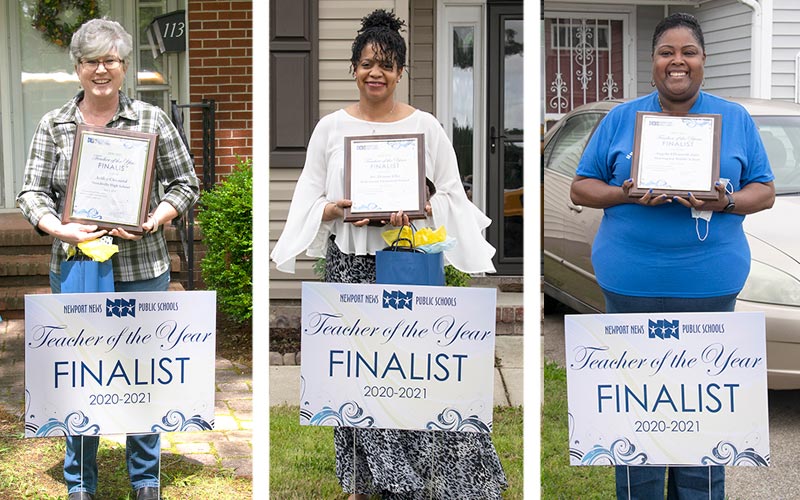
(706, 214)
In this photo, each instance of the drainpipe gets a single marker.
(761, 48)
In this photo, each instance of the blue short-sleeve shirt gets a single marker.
(656, 251)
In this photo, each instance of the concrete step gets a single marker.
(512, 284)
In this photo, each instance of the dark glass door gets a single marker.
(505, 194)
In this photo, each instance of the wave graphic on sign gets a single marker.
(621, 452)
(726, 453)
(451, 420)
(75, 424)
(175, 421)
(350, 414)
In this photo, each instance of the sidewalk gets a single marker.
(230, 444)
(284, 381)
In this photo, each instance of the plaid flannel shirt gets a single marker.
(47, 172)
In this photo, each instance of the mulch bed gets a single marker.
(284, 340)
(235, 340)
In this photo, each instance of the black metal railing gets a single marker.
(185, 225)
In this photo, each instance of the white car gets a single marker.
(773, 285)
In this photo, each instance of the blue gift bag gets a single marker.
(79, 276)
(408, 266)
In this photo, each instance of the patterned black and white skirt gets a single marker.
(406, 465)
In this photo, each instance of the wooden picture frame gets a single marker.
(110, 178)
(676, 154)
(383, 175)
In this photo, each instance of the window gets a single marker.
(459, 91)
(569, 36)
(584, 62)
(563, 153)
(152, 75)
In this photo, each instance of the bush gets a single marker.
(454, 277)
(226, 217)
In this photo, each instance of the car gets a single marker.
(773, 285)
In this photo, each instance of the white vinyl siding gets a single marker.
(281, 186)
(339, 22)
(727, 30)
(646, 19)
(785, 48)
(420, 56)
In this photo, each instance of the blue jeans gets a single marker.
(647, 482)
(143, 451)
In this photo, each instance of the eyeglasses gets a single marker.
(110, 63)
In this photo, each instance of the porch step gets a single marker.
(510, 284)
(510, 305)
(25, 263)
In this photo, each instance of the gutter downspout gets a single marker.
(761, 48)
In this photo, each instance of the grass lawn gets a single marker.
(302, 463)
(32, 468)
(559, 479)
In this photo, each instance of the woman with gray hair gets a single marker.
(101, 51)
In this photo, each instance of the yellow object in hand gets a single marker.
(424, 236)
(99, 250)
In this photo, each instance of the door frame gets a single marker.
(498, 12)
(13, 144)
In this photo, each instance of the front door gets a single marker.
(505, 196)
(39, 76)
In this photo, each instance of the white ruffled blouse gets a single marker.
(322, 182)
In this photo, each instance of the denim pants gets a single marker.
(143, 451)
(647, 482)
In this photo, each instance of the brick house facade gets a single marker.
(220, 68)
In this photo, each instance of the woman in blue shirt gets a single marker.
(646, 247)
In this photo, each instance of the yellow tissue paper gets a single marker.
(98, 250)
(424, 236)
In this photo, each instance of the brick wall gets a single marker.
(220, 68)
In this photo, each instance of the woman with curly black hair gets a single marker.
(395, 464)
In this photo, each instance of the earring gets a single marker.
(652, 83)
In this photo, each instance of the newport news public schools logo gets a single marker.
(398, 300)
(120, 308)
(663, 329)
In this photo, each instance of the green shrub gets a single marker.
(454, 277)
(226, 217)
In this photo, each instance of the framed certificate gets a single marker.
(676, 154)
(384, 174)
(110, 178)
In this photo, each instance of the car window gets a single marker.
(781, 138)
(564, 150)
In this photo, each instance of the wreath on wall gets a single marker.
(47, 18)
